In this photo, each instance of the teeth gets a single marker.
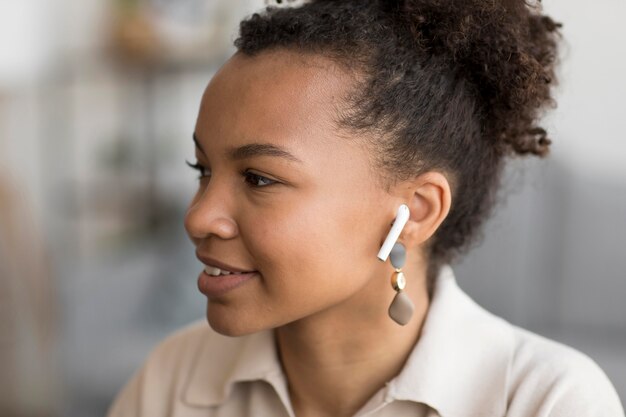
(214, 271)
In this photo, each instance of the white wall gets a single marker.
(590, 122)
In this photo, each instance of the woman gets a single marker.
(339, 135)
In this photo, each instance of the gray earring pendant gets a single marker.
(401, 308)
(397, 256)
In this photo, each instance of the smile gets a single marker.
(218, 282)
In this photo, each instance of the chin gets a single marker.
(226, 323)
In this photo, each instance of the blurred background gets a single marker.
(98, 100)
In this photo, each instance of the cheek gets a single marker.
(309, 251)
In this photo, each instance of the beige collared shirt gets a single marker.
(467, 363)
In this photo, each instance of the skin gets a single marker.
(314, 235)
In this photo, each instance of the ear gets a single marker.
(429, 198)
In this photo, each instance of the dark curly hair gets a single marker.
(444, 85)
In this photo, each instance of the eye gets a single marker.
(197, 167)
(254, 180)
(257, 181)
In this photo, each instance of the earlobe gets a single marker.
(411, 233)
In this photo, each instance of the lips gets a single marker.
(219, 278)
(212, 263)
(216, 286)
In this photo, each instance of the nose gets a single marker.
(208, 214)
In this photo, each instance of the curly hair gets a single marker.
(454, 86)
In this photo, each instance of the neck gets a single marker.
(337, 359)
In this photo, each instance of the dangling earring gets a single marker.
(401, 308)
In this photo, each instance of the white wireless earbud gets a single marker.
(401, 218)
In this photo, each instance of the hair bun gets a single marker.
(505, 49)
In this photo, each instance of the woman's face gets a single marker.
(311, 224)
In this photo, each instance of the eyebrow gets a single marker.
(251, 150)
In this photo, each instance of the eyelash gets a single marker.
(201, 169)
(197, 167)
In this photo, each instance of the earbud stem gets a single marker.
(401, 218)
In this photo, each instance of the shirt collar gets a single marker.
(221, 363)
(458, 366)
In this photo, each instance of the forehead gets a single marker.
(282, 96)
